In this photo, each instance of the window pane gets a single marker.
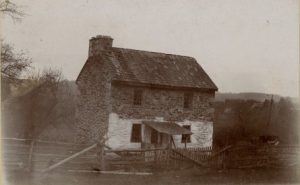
(137, 96)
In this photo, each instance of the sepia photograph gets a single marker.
(154, 92)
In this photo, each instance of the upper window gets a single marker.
(136, 135)
(186, 138)
(188, 100)
(137, 96)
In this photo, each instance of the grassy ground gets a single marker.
(182, 177)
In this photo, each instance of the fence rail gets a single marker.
(39, 155)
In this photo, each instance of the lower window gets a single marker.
(136, 134)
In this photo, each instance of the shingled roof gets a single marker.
(144, 67)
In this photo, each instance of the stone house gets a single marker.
(133, 99)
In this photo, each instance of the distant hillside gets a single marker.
(246, 96)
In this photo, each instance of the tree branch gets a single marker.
(11, 9)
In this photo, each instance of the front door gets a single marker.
(155, 139)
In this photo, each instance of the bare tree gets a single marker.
(13, 63)
(11, 9)
(41, 101)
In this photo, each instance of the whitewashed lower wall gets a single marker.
(202, 134)
(119, 133)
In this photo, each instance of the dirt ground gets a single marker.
(182, 177)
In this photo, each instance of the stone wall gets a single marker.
(106, 110)
(94, 101)
(167, 104)
(159, 105)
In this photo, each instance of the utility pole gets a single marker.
(270, 113)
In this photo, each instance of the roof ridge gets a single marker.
(136, 50)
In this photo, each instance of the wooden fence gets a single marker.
(243, 156)
(262, 156)
(159, 158)
(25, 154)
(39, 155)
(148, 159)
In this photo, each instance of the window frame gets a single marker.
(137, 96)
(188, 100)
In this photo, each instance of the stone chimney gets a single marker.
(99, 43)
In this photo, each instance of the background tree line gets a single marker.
(32, 101)
(240, 120)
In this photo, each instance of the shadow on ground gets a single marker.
(182, 177)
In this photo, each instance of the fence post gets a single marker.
(225, 159)
(30, 155)
(168, 157)
(100, 155)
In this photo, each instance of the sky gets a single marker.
(244, 45)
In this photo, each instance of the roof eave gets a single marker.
(160, 86)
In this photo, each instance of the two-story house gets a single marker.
(141, 99)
